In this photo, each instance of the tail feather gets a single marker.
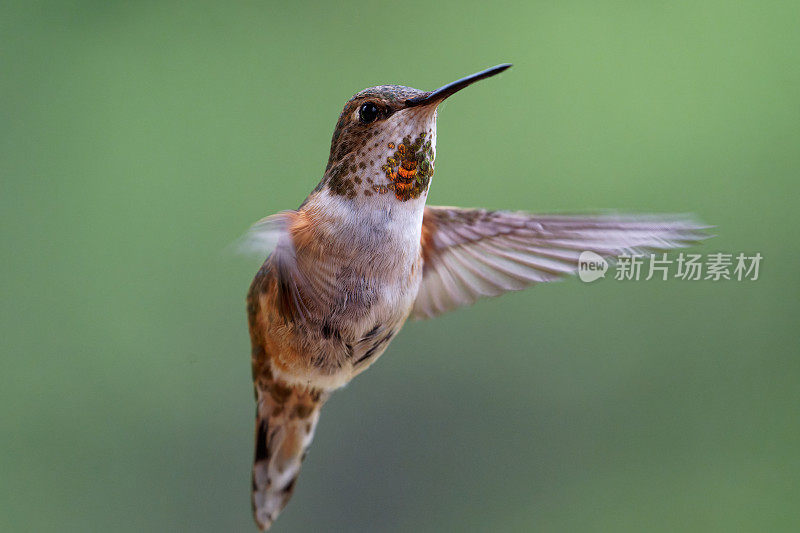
(286, 418)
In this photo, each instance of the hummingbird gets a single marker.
(363, 253)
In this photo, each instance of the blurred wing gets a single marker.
(303, 282)
(263, 236)
(470, 253)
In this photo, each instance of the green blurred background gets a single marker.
(139, 139)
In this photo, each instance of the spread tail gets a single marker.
(286, 417)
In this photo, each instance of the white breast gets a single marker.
(378, 249)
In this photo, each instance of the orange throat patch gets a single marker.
(409, 168)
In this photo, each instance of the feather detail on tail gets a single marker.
(286, 417)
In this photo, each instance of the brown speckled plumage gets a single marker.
(353, 262)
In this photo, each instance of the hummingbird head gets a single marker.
(384, 143)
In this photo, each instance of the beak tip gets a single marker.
(443, 92)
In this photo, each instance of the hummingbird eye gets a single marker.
(368, 113)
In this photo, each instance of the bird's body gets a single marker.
(363, 253)
(375, 267)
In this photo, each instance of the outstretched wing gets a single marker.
(470, 253)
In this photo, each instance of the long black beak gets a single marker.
(451, 88)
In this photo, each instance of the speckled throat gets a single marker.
(385, 142)
(392, 156)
